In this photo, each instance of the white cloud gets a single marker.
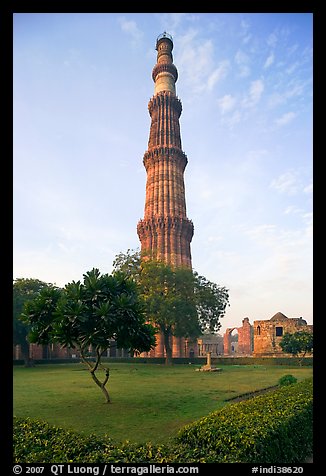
(233, 119)
(286, 118)
(292, 68)
(255, 92)
(219, 73)
(242, 60)
(292, 209)
(245, 25)
(285, 246)
(295, 89)
(130, 27)
(244, 32)
(272, 39)
(226, 103)
(256, 89)
(286, 183)
(196, 62)
(269, 61)
(171, 21)
(292, 49)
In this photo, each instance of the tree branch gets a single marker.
(89, 364)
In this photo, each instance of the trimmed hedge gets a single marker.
(271, 428)
(288, 361)
(38, 442)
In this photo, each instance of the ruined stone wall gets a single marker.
(268, 334)
(245, 338)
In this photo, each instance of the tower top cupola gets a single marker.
(166, 38)
(164, 73)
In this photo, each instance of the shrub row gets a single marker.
(38, 442)
(288, 361)
(272, 428)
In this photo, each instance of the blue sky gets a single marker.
(82, 82)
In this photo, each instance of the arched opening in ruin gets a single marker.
(234, 340)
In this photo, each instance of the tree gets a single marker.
(129, 263)
(169, 297)
(297, 343)
(211, 302)
(90, 314)
(24, 290)
(179, 301)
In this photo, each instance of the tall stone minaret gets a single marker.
(165, 232)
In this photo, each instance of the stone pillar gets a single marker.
(159, 348)
(176, 350)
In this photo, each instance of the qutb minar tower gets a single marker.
(165, 232)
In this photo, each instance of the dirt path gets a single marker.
(246, 396)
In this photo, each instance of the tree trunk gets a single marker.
(92, 369)
(168, 349)
(102, 385)
(301, 358)
(24, 347)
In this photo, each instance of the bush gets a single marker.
(38, 442)
(287, 380)
(271, 428)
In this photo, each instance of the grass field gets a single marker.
(150, 402)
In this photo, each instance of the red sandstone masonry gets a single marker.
(165, 232)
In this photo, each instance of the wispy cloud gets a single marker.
(292, 49)
(285, 245)
(295, 89)
(292, 209)
(286, 183)
(242, 60)
(255, 91)
(292, 67)
(226, 103)
(172, 21)
(197, 64)
(269, 61)
(231, 120)
(285, 119)
(219, 73)
(244, 31)
(130, 27)
(272, 39)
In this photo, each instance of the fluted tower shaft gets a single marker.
(165, 232)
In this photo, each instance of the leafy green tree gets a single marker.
(211, 303)
(24, 290)
(297, 343)
(129, 263)
(90, 314)
(179, 301)
(170, 303)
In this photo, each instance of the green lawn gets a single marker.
(150, 402)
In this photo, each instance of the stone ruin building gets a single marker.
(245, 339)
(262, 339)
(269, 333)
